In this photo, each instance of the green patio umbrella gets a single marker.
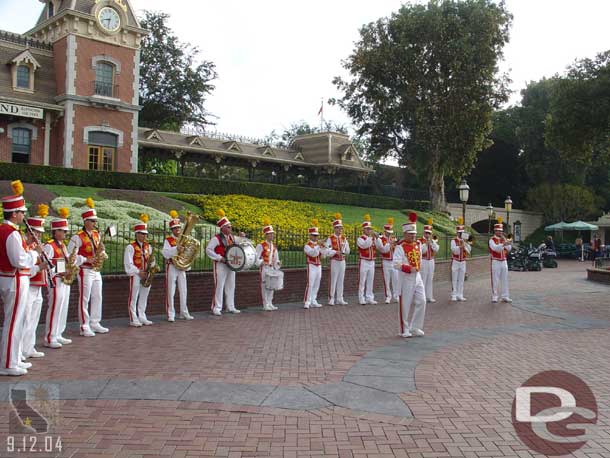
(580, 226)
(556, 227)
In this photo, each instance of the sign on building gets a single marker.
(20, 110)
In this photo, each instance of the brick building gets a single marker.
(69, 87)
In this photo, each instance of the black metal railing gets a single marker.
(105, 89)
(290, 245)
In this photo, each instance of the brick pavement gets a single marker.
(465, 371)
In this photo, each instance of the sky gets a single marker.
(276, 59)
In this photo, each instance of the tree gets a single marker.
(424, 83)
(563, 202)
(173, 87)
(302, 128)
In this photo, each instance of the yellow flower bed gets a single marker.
(287, 217)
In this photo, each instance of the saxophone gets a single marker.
(188, 247)
(71, 268)
(151, 269)
(100, 254)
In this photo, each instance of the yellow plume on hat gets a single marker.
(460, 221)
(144, 218)
(391, 221)
(500, 220)
(173, 214)
(63, 212)
(43, 210)
(89, 202)
(367, 217)
(220, 212)
(314, 222)
(337, 215)
(429, 221)
(17, 186)
(266, 221)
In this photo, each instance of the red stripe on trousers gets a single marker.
(330, 280)
(307, 288)
(260, 276)
(12, 326)
(130, 296)
(214, 296)
(81, 274)
(385, 289)
(52, 313)
(402, 324)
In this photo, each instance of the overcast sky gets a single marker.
(276, 58)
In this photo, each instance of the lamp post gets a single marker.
(464, 191)
(508, 206)
(490, 212)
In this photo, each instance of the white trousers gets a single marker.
(337, 278)
(314, 275)
(173, 276)
(31, 319)
(412, 293)
(458, 272)
(90, 292)
(224, 285)
(499, 280)
(14, 292)
(266, 294)
(367, 277)
(427, 276)
(390, 280)
(57, 312)
(138, 294)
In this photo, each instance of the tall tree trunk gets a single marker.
(437, 190)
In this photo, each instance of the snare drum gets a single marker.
(274, 279)
(240, 256)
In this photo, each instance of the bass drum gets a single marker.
(240, 256)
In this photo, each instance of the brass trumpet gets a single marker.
(435, 238)
(509, 238)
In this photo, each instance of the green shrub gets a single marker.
(164, 183)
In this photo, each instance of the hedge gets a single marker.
(40, 174)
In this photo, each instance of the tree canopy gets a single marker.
(424, 82)
(173, 86)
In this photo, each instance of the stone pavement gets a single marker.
(335, 381)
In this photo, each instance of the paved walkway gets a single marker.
(335, 381)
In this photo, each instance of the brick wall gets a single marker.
(201, 289)
(599, 275)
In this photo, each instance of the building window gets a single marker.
(51, 9)
(22, 145)
(104, 79)
(102, 150)
(23, 77)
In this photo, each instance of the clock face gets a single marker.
(109, 19)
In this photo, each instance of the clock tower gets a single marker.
(96, 55)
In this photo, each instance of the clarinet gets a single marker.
(43, 254)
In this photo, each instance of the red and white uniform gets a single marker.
(429, 248)
(313, 254)
(499, 268)
(407, 262)
(224, 278)
(135, 260)
(367, 253)
(390, 275)
(459, 252)
(15, 265)
(337, 250)
(267, 258)
(58, 297)
(89, 281)
(38, 279)
(173, 276)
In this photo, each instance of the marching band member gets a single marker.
(429, 248)
(407, 261)
(224, 278)
(386, 245)
(337, 247)
(59, 297)
(87, 241)
(313, 253)
(174, 275)
(499, 246)
(267, 258)
(15, 264)
(368, 253)
(460, 250)
(38, 279)
(136, 261)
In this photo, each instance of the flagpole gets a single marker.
(322, 116)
